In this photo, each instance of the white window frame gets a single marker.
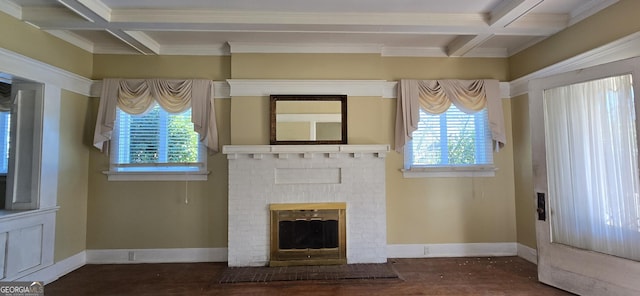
(155, 172)
(412, 170)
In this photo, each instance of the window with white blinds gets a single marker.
(5, 133)
(451, 139)
(156, 141)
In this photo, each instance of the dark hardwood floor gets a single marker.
(437, 276)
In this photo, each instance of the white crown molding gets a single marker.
(623, 48)
(28, 68)
(198, 50)
(398, 51)
(451, 250)
(266, 87)
(11, 8)
(135, 256)
(266, 47)
(482, 52)
(53, 272)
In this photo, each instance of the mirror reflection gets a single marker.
(308, 120)
(304, 119)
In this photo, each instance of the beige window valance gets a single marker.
(135, 96)
(436, 96)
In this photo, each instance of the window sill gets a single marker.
(157, 176)
(449, 172)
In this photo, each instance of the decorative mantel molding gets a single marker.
(308, 151)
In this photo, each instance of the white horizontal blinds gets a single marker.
(5, 127)
(155, 137)
(453, 138)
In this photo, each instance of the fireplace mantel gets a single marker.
(232, 151)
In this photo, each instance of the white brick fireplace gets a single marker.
(262, 175)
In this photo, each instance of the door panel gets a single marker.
(577, 270)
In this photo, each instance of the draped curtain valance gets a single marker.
(135, 96)
(436, 96)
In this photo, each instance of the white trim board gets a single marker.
(356, 88)
(623, 48)
(451, 250)
(134, 256)
(27, 68)
(58, 269)
(527, 253)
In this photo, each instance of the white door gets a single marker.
(584, 128)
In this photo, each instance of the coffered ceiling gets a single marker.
(438, 28)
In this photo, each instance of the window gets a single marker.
(156, 142)
(451, 142)
(5, 128)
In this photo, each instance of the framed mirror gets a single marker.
(308, 119)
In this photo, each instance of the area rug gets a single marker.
(306, 273)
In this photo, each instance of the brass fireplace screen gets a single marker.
(308, 234)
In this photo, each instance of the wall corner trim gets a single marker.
(528, 253)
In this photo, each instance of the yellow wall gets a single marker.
(419, 211)
(523, 171)
(71, 219)
(155, 214)
(31, 42)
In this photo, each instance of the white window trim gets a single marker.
(445, 171)
(157, 176)
(116, 174)
(450, 171)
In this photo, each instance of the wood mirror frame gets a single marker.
(274, 99)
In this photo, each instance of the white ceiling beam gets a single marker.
(97, 7)
(99, 14)
(463, 44)
(298, 18)
(509, 11)
(500, 18)
(10, 8)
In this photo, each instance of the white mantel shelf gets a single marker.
(257, 151)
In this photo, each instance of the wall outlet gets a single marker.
(132, 256)
(426, 250)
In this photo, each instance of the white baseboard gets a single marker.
(58, 269)
(451, 250)
(133, 256)
(527, 253)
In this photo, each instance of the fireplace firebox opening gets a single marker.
(308, 234)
